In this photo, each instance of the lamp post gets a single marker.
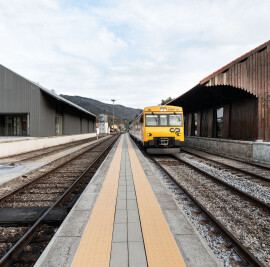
(113, 100)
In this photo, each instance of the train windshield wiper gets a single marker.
(154, 117)
(177, 116)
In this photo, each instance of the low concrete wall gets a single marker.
(251, 151)
(15, 147)
(261, 152)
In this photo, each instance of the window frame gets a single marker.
(218, 123)
(167, 115)
(146, 125)
(181, 121)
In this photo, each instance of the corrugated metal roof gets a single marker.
(49, 92)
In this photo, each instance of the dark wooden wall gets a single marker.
(243, 120)
(239, 121)
(226, 122)
(250, 72)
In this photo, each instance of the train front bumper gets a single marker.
(162, 142)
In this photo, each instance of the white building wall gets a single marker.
(103, 127)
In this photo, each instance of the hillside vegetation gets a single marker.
(98, 107)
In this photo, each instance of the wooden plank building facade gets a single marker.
(233, 102)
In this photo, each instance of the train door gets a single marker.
(142, 127)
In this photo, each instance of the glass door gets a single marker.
(16, 125)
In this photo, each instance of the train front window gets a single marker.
(175, 120)
(151, 120)
(163, 120)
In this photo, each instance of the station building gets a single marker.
(103, 125)
(28, 109)
(229, 110)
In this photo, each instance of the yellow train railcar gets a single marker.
(160, 129)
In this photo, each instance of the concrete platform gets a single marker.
(30, 166)
(128, 244)
(257, 152)
(16, 146)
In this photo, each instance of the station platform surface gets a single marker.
(126, 217)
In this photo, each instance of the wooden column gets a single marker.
(199, 123)
(260, 118)
(267, 118)
(210, 122)
(189, 123)
(267, 84)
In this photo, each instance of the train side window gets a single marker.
(163, 120)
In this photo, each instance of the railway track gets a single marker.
(217, 178)
(237, 215)
(37, 154)
(249, 168)
(32, 213)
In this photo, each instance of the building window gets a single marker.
(14, 125)
(219, 121)
(2, 125)
(195, 124)
(58, 125)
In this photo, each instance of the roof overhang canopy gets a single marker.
(202, 97)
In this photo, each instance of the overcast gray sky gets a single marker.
(137, 52)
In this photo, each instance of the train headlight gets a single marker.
(178, 134)
(149, 134)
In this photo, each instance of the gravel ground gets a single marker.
(253, 188)
(248, 223)
(234, 163)
(13, 233)
(226, 255)
(65, 175)
(15, 183)
(10, 235)
(38, 154)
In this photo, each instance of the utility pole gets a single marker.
(113, 100)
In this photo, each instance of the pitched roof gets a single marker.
(241, 58)
(227, 66)
(49, 92)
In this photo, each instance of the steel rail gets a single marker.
(56, 148)
(243, 252)
(10, 256)
(231, 167)
(231, 187)
(42, 176)
(228, 157)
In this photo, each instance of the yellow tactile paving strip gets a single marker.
(95, 247)
(160, 246)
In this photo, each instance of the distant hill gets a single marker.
(98, 107)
